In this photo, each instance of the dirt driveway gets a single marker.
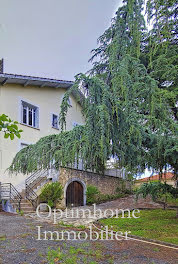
(19, 245)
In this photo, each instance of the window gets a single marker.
(69, 102)
(75, 124)
(29, 114)
(23, 145)
(55, 121)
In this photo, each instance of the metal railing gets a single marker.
(32, 182)
(9, 192)
(31, 196)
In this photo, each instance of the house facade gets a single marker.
(35, 103)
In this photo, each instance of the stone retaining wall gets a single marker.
(105, 184)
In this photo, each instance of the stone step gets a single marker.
(26, 206)
(24, 201)
(27, 211)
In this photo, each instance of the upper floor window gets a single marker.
(55, 121)
(29, 114)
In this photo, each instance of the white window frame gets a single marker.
(23, 143)
(74, 124)
(27, 105)
(54, 114)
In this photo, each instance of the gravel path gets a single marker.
(19, 245)
(76, 217)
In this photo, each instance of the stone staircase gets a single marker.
(39, 183)
(25, 206)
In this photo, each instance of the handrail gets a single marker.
(31, 182)
(35, 176)
(31, 196)
(10, 193)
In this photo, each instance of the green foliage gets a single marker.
(3, 237)
(172, 200)
(51, 193)
(128, 101)
(52, 255)
(95, 196)
(75, 255)
(21, 212)
(154, 224)
(158, 191)
(160, 56)
(155, 189)
(92, 194)
(9, 127)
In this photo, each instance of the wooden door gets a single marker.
(74, 194)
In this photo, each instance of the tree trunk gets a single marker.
(165, 202)
(164, 206)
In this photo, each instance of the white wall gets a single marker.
(48, 100)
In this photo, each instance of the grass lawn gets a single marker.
(154, 224)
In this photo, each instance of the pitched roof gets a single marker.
(165, 176)
(24, 80)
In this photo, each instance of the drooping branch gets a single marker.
(127, 115)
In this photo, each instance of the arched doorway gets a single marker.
(74, 194)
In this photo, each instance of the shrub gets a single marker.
(157, 191)
(51, 193)
(123, 191)
(127, 191)
(109, 197)
(95, 196)
(92, 194)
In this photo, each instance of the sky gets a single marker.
(52, 38)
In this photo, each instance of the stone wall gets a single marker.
(106, 184)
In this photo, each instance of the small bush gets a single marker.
(21, 213)
(158, 191)
(127, 191)
(92, 194)
(95, 196)
(51, 193)
(123, 191)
